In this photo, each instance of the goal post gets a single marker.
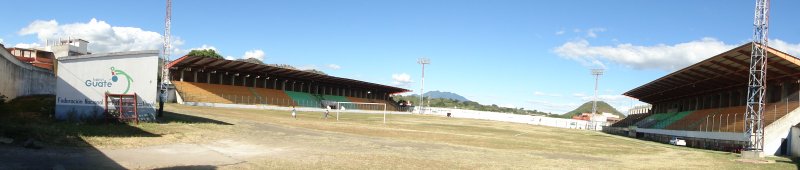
(344, 106)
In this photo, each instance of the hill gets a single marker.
(445, 95)
(602, 107)
(468, 105)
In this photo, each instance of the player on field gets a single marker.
(294, 113)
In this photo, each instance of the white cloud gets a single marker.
(665, 57)
(257, 54)
(401, 79)
(553, 107)
(607, 98)
(792, 49)
(538, 93)
(334, 66)
(27, 45)
(578, 95)
(102, 36)
(592, 32)
(230, 58)
(1, 40)
(560, 32)
(308, 67)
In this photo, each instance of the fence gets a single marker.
(730, 119)
(516, 118)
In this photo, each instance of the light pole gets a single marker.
(422, 61)
(596, 73)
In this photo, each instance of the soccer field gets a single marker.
(272, 139)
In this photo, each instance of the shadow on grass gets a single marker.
(795, 161)
(34, 140)
(172, 117)
(202, 167)
(30, 138)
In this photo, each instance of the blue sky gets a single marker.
(532, 54)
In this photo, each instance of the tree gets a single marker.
(205, 53)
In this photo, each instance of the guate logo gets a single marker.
(105, 83)
(114, 78)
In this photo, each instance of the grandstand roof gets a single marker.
(206, 63)
(721, 72)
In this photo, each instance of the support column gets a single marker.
(195, 77)
(784, 91)
(181, 70)
(208, 77)
(730, 98)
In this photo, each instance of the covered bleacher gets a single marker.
(705, 102)
(209, 80)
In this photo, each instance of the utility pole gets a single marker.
(756, 87)
(596, 73)
(422, 61)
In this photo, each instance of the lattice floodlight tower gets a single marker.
(596, 73)
(756, 88)
(165, 57)
(423, 61)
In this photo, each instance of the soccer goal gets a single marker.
(359, 107)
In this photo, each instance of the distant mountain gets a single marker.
(445, 95)
(602, 107)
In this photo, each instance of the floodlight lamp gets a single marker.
(424, 61)
(597, 71)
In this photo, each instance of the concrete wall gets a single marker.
(23, 79)
(777, 131)
(84, 80)
(508, 117)
(794, 142)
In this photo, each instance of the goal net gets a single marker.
(358, 107)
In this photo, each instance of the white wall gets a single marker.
(794, 142)
(507, 117)
(82, 82)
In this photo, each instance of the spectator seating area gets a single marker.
(728, 119)
(215, 93)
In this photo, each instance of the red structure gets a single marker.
(123, 107)
(38, 58)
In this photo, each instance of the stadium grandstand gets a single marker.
(704, 103)
(210, 80)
